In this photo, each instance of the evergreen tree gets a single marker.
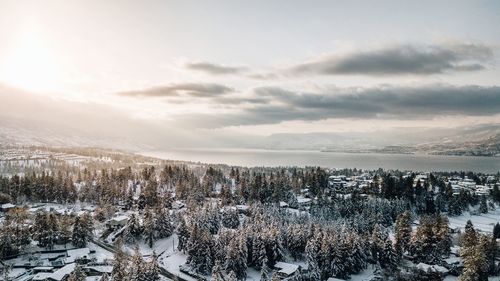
(133, 231)
(152, 272)
(483, 205)
(82, 231)
(264, 271)
(120, 263)
(105, 277)
(217, 272)
(137, 269)
(149, 229)
(496, 231)
(237, 258)
(403, 233)
(183, 234)
(199, 250)
(162, 226)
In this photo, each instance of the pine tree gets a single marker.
(199, 250)
(389, 260)
(264, 271)
(259, 251)
(105, 277)
(149, 231)
(120, 263)
(133, 231)
(137, 270)
(403, 233)
(483, 205)
(152, 272)
(237, 258)
(217, 272)
(496, 231)
(82, 231)
(183, 235)
(162, 226)
(470, 236)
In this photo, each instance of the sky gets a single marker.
(259, 67)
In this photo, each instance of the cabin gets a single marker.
(286, 270)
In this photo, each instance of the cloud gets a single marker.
(385, 102)
(216, 69)
(202, 90)
(400, 60)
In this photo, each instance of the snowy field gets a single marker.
(482, 222)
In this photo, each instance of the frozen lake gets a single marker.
(255, 157)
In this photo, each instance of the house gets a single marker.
(57, 275)
(285, 270)
(443, 271)
(118, 221)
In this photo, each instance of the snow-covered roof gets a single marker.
(43, 268)
(101, 268)
(286, 268)
(434, 267)
(8, 206)
(62, 272)
(283, 204)
(453, 260)
(119, 218)
(303, 200)
(242, 207)
(335, 279)
(77, 253)
(41, 276)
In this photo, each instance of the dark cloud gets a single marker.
(182, 89)
(387, 102)
(216, 69)
(401, 60)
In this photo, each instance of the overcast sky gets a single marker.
(261, 67)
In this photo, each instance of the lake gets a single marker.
(257, 157)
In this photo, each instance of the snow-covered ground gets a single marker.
(482, 222)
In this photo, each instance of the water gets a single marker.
(253, 157)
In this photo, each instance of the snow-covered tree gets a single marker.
(183, 235)
(148, 228)
(120, 263)
(403, 233)
(163, 225)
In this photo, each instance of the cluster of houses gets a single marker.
(58, 264)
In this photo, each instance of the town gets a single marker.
(118, 216)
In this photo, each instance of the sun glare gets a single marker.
(30, 64)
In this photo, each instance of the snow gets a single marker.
(171, 259)
(364, 275)
(286, 268)
(63, 272)
(76, 254)
(482, 222)
(8, 206)
(159, 247)
(100, 254)
(436, 268)
(101, 268)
